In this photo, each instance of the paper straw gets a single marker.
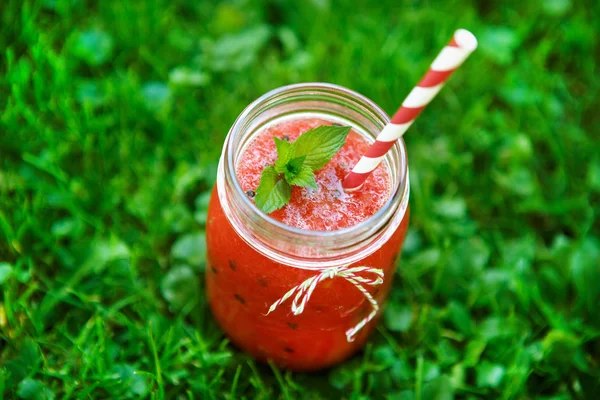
(463, 43)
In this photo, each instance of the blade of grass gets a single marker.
(282, 385)
(159, 381)
(234, 384)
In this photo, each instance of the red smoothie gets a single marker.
(243, 283)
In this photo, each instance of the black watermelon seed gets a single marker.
(231, 265)
(240, 298)
(214, 270)
(250, 193)
(336, 124)
(288, 349)
(286, 138)
(292, 325)
(262, 282)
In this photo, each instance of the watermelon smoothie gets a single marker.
(255, 259)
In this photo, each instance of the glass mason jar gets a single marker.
(304, 299)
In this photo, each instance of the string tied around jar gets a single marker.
(304, 290)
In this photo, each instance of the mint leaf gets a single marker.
(304, 177)
(320, 144)
(273, 192)
(292, 168)
(285, 150)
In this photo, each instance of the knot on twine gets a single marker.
(304, 290)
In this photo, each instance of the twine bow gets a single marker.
(304, 290)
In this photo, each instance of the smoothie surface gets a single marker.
(328, 207)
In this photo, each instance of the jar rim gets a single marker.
(398, 191)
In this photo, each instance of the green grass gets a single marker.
(112, 119)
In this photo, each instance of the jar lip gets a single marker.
(395, 191)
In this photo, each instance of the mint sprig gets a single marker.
(296, 165)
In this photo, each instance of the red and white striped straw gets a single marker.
(463, 43)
